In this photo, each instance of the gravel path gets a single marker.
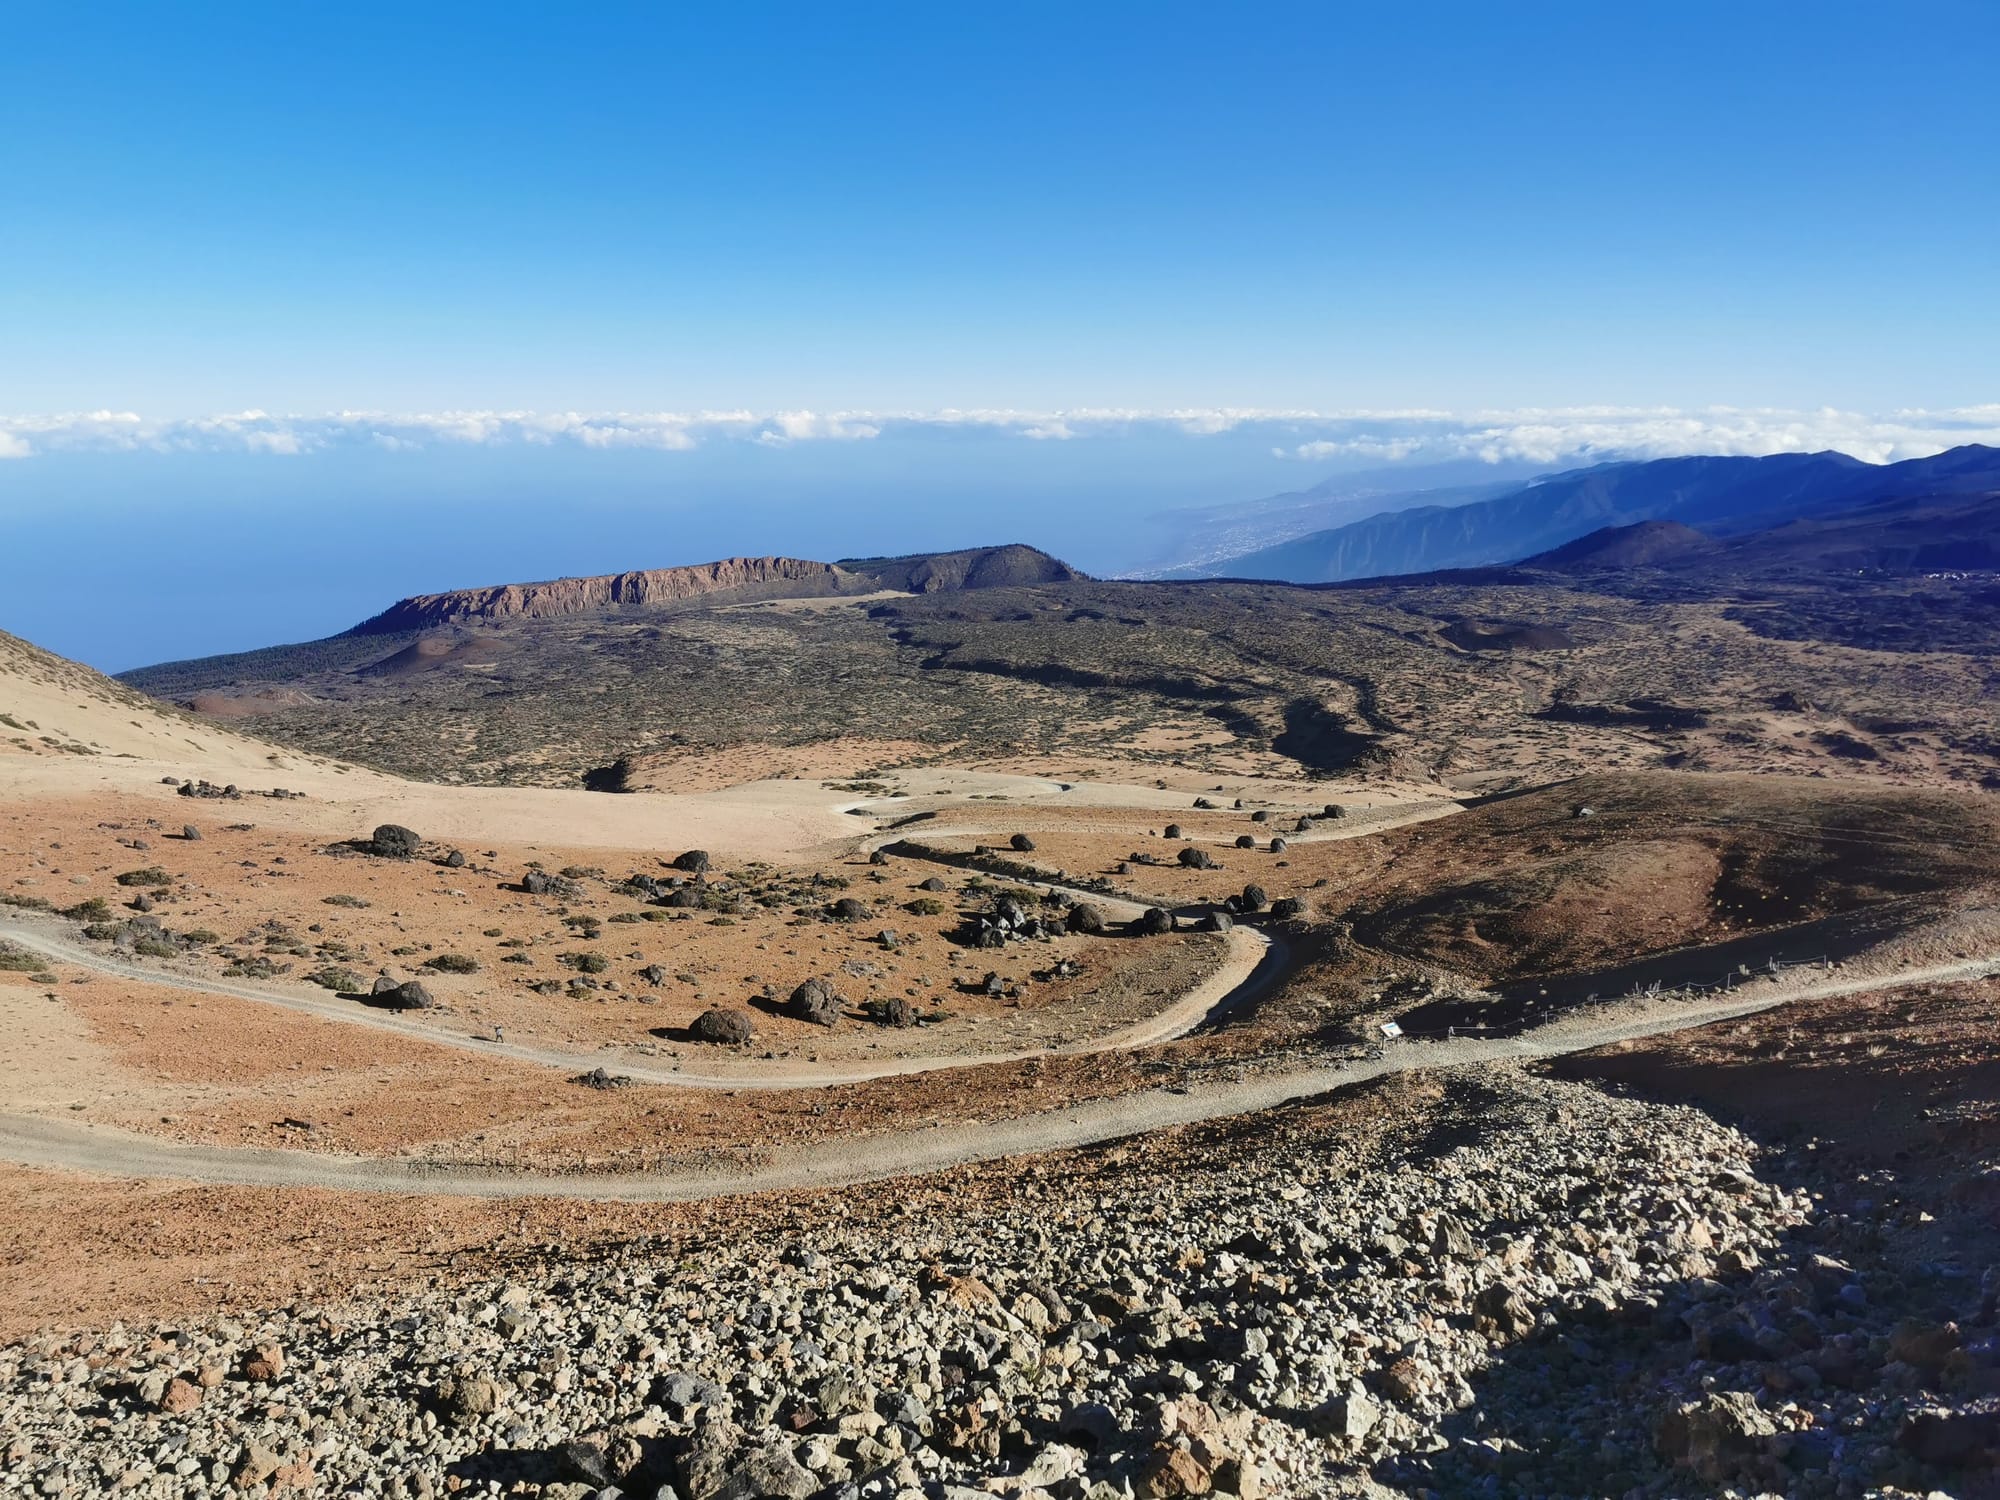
(84, 1148)
(1250, 965)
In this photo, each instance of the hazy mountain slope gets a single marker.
(1643, 544)
(1719, 495)
(1200, 541)
(1921, 534)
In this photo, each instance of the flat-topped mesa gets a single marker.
(570, 596)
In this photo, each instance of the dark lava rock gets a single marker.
(1020, 843)
(1085, 918)
(409, 995)
(394, 841)
(816, 1002)
(727, 1028)
(847, 909)
(1155, 922)
(1196, 859)
(1288, 908)
(694, 861)
(1253, 898)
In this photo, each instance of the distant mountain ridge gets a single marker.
(1901, 534)
(1014, 565)
(1643, 544)
(455, 627)
(760, 577)
(570, 596)
(1719, 495)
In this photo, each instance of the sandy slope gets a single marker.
(60, 708)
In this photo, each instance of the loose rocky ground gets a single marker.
(1481, 1283)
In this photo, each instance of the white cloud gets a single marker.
(1592, 434)
(1580, 434)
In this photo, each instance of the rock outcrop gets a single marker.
(570, 596)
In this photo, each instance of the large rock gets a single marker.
(1195, 859)
(848, 909)
(1501, 1312)
(394, 841)
(468, 1398)
(705, 1459)
(694, 861)
(1155, 922)
(1348, 1418)
(1951, 1439)
(1020, 843)
(410, 995)
(1085, 918)
(769, 1473)
(816, 1002)
(726, 1028)
(1720, 1437)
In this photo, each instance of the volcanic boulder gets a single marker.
(394, 841)
(816, 1002)
(725, 1028)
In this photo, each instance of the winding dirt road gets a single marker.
(1251, 963)
(54, 1144)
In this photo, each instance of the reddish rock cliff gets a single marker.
(569, 596)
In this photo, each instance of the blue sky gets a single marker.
(1473, 211)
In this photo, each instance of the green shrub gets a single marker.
(27, 903)
(18, 960)
(344, 900)
(151, 875)
(452, 963)
(925, 906)
(587, 963)
(335, 978)
(96, 909)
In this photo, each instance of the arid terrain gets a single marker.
(947, 1026)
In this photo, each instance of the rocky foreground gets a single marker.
(1489, 1284)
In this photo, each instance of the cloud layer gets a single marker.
(1547, 436)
